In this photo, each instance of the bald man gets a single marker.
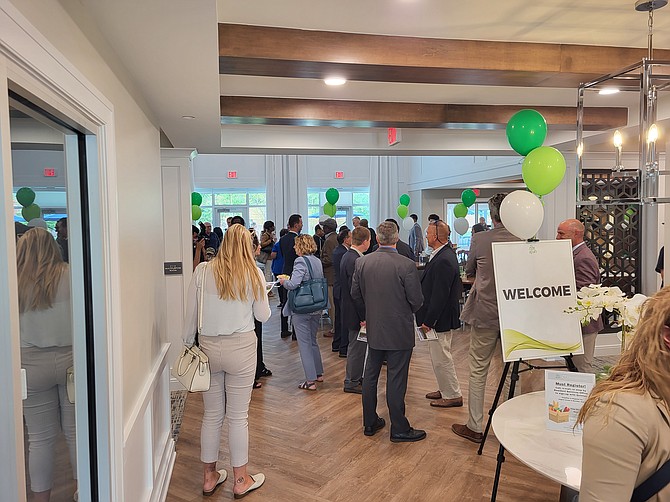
(587, 272)
(442, 289)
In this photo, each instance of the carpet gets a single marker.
(177, 401)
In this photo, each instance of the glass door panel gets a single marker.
(52, 320)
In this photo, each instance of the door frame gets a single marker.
(31, 64)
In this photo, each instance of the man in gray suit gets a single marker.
(481, 313)
(388, 287)
(587, 272)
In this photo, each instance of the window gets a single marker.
(217, 205)
(479, 209)
(352, 202)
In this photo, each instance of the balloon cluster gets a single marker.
(31, 211)
(403, 211)
(330, 207)
(543, 170)
(468, 198)
(196, 210)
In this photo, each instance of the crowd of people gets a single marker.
(377, 298)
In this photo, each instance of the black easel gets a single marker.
(569, 364)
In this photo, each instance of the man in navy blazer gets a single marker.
(286, 244)
(442, 289)
(340, 340)
(587, 272)
(352, 316)
(388, 287)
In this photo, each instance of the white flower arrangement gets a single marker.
(593, 299)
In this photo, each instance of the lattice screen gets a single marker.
(613, 232)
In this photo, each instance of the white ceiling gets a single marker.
(170, 50)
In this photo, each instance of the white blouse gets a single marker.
(50, 327)
(220, 317)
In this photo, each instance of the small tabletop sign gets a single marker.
(565, 393)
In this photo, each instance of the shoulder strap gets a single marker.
(309, 267)
(659, 480)
(202, 297)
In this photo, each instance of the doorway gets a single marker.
(54, 296)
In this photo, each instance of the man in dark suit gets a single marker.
(286, 245)
(373, 236)
(387, 286)
(350, 315)
(402, 247)
(587, 272)
(442, 288)
(329, 244)
(340, 341)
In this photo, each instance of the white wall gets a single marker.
(286, 179)
(140, 282)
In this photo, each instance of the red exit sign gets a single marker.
(49, 172)
(339, 175)
(393, 136)
(232, 175)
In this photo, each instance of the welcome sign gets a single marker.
(535, 283)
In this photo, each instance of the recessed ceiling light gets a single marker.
(335, 81)
(188, 117)
(608, 90)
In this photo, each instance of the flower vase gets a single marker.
(626, 332)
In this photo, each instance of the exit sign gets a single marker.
(339, 175)
(393, 136)
(232, 175)
(49, 172)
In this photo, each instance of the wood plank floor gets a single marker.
(311, 447)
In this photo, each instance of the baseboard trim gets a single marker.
(164, 473)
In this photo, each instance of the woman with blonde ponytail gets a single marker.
(45, 323)
(627, 417)
(233, 294)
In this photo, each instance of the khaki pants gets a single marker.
(443, 365)
(232, 361)
(483, 347)
(584, 362)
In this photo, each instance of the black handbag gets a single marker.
(659, 480)
(310, 296)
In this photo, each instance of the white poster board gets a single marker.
(535, 283)
(565, 394)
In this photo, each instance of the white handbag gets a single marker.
(192, 365)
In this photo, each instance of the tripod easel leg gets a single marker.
(501, 450)
(501, 385)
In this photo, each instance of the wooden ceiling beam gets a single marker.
(287, 52)
(316, 112)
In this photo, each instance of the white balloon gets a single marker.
(461, 225)
(522, 213)
(37, 222)
(407, 223)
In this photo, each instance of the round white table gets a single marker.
(519, 425)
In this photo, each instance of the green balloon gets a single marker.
(468, 197)
(543, 170)
(31, 212)
(404, 199)
(25, 196)
(526, 130)
(196, 199)
(460, 211)
(332, 196)
(329, 209)
(196, 212)
(402, 211)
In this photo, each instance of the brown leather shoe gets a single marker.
(434, 395)
(465, 432)
(447, 403)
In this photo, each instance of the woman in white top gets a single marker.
(45, 323)
(233, 290)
